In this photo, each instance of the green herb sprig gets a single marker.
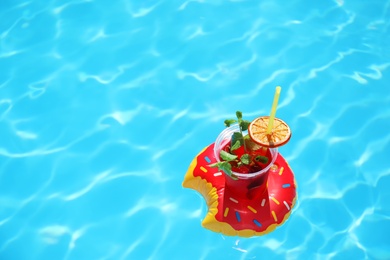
(238, 139)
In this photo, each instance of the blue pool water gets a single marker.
(103, 105)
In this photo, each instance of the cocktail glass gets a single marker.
(243, 185)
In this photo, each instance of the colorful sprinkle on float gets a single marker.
(241, 202)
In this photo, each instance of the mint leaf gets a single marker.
(225, 167)
(229, 122)
(214, 165)
(236, 137)
(227, 156)
(236, 145)
(244, 125)
(261, 159)
(239, 117)
(246, 159)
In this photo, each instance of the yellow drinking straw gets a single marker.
(273, 110)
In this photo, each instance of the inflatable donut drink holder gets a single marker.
(242, 204)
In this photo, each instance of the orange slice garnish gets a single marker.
(279, 135)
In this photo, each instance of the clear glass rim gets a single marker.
(226, 134)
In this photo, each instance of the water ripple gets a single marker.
(376, 74)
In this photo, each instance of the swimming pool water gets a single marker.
(103, 105)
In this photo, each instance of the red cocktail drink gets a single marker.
(246, 180)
